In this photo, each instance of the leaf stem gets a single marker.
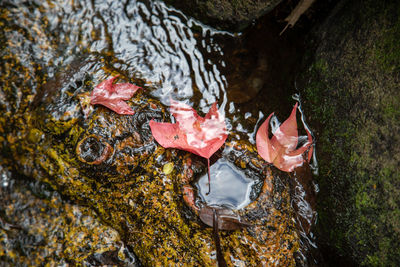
(209, 179)
(220, 257)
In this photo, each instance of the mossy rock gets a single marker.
(352, 91)
(233, 15)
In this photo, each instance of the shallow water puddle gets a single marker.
(229, 187)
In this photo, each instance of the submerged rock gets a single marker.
(352, 91)
(224, 14)
(112, 164)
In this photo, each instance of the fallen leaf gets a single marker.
(191, 132)
(227, 219)
(113, 96)
(294, 16)
(281, 148)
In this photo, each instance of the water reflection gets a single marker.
(175, 55)
(230, 187)
(151, 41)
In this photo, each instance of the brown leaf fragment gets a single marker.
(227, 219)
(301, 7)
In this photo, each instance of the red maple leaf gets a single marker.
(191, 132)
(113, 95)
(198, 135)
(281, 148)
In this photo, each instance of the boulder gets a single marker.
(224, 14)
(351, 89)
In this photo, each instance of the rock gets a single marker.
(129, 190)
(352, 91)
(38, 227)
(224, 14)
(110, 163)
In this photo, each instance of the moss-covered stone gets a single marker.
(232, 15)
(353, 93)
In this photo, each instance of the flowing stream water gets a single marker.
(172, 56)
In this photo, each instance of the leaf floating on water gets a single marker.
(191, 132)
(227, 219)
(281, 148)
(113, 96)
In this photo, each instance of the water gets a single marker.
(229, 186)
(171, 56)
(153, 45)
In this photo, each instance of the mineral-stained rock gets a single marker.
(353, 90)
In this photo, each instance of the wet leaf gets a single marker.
(301, 7)
(227, 219)
(281, 148)
(113, 96)
(191, 132)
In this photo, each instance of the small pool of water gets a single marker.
(229, 187)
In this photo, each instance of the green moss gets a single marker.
(388, 50)
(353, 98)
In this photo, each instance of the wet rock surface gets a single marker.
(224, 14)
(129, 190)
(352, 92)
(110, 163)
(38, 227)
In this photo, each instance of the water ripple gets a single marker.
(170, 51)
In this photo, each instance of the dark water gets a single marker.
(249, 74)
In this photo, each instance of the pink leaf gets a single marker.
(281, 148)
(191, 132)
(286, 134)
(264, 144)
(113, 95)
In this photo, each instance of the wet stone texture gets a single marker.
(130, 191)
(353, 93)
(225, 14)
(37, 228)
(110, 163)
